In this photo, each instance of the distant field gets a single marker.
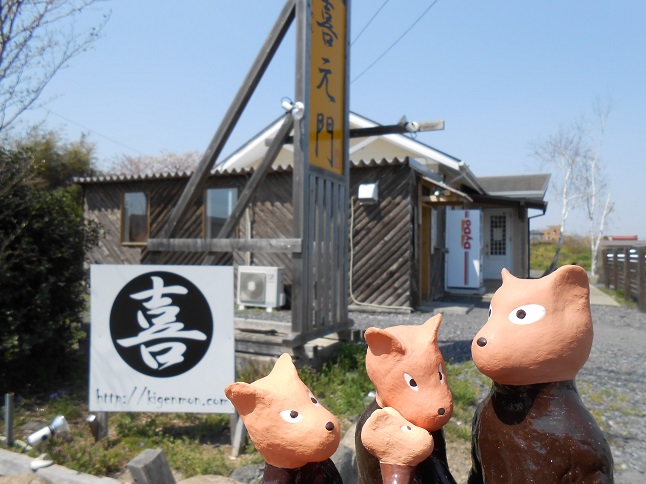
(573, 251)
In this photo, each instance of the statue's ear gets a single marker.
(244, 397)
(432, 326)
(284, 367)
(506, 275)
(382, 342)
(573, 277)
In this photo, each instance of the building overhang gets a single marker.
(442, 194)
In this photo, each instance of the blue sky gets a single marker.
(501, 74)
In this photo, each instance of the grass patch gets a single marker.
(194, 444)
(342, 384)
(198, 444)
(574, 250)
(467, 384)
(618, 296)
(609, 399)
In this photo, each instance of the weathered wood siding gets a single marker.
(384, 265)
(270, 217)
(383, 271)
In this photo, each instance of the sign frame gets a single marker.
(163, 338)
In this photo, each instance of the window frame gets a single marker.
(205, 224)
(122, 219)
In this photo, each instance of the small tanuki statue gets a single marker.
(408, 371)
(398, 444)
(288, 426)
(533, 426)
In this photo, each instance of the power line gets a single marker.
(369, 22)
(90, 130)
(396, 41)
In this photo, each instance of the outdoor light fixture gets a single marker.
(368, 193)
(59, 426)
(295, 108)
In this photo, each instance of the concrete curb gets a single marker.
(14, 464)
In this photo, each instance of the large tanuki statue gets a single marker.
(408, 371)
(533, 426)
(288, 426)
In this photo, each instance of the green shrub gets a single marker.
(43, 240)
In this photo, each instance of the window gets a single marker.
(219, 205)
(498, 237)
(134, 218)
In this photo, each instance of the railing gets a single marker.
(624, 269)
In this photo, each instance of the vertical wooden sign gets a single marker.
(327, 81)
(321, 170)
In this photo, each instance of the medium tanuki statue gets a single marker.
(533, 426)
(398, 444)
(288, 426)
(408, 371)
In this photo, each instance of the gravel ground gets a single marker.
(612, 381)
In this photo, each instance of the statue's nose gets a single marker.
(481, 342)
(329, 426)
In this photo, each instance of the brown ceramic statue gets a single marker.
(288, 426)
(533, 426)
(398, 444)
(408, 371)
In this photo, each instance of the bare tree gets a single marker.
(598, 203)
(574, 153)
(564, 152)
(37, 39)
(156, 164)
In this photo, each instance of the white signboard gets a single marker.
(161, 338)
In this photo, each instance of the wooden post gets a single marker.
(238, 435)
(256, 179)
(192, 190)
(641, 287)
(627, 273)
(615, 272)
(8, 419)
(102, 432)
(606, 268)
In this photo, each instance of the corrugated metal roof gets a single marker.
(115, 178)
(531, 186)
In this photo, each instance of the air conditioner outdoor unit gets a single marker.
(260, 287)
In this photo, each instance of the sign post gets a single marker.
(321, 171)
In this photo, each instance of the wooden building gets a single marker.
(400, 190)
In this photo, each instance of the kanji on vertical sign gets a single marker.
(327, 84)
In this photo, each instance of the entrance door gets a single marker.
(497, 242)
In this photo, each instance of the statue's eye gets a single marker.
(406, 428)
(489, 310)
(441, 372)
(527, 314)
(291, 416)
(410, 381)
(314, 400)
